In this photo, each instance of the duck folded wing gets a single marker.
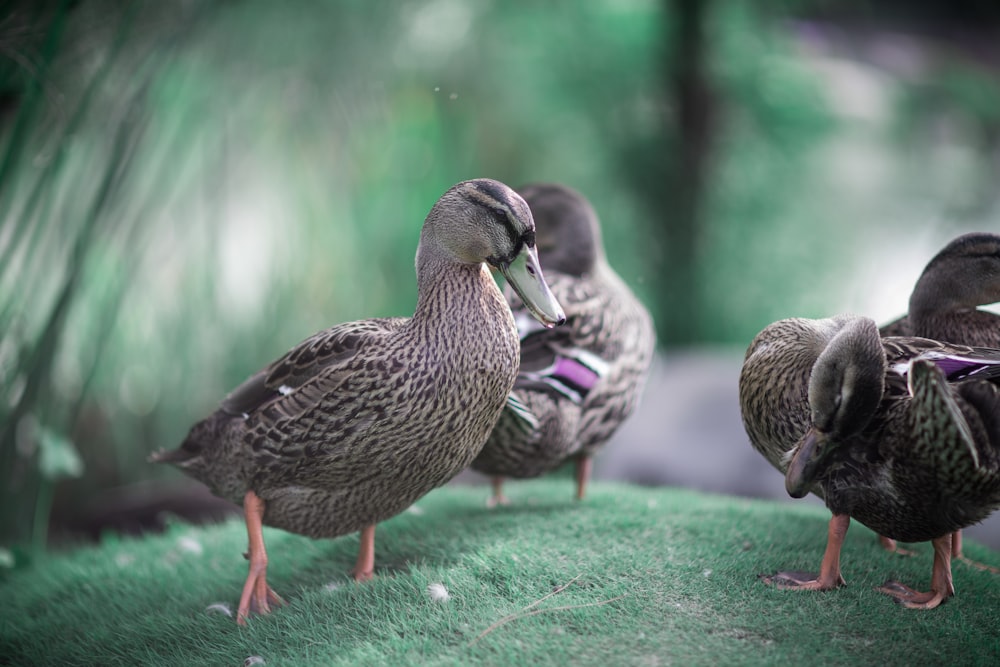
(552, 359)
(311, 370)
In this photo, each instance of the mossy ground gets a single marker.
(650, 576)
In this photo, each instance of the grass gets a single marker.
(631, 576)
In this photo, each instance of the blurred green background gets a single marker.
(189, 188)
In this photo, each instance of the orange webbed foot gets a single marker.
(942, 587)
(802, 581)
(912, 599)
(257, 598)
(829, 570)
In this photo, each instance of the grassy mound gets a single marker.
(630, 576)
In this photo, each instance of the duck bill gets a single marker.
(525, 275)
(805, 464)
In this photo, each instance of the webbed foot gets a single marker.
(912, 599)
(942, 587)
(803, 581)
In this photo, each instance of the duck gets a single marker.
(357, 422)
(577, 383)
(964, 275)
(899, 433)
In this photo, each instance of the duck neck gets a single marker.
(936, 293)
(948, 289)
(452, 294)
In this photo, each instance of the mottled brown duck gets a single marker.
(359, 421)
(901, 434)
(964, 275)
(577, 383)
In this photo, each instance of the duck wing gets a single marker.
(556, 360)
(309, 371)
(956, 433)
(943, 436)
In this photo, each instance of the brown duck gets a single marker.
(902, 434)
(357, 422)
(576, 383)
(943, 306)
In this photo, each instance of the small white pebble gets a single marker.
(706, 573)
(332, 586)
(6, 558)
(254, 660)
(413, 509)
(219, 608)
(190, 545)
(453, 96)
(437, 592)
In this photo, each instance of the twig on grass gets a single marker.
(521, 613)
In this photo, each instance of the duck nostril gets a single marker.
(531, 270)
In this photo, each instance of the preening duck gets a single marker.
(902, 434)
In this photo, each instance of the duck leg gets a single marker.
(498, 498)
(892, 547)
(829, 570)
(942, 587)
(584, 465)
(364, 567)
(257, 596)
(956, 554)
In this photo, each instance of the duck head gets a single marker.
(845, 388)
(568, 233)
(964, 275)
(483, 220)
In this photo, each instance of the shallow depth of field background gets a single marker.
(187, 189)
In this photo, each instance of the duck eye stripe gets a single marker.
(512, 234)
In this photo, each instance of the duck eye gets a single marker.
(529, 239)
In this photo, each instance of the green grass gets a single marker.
(650, 577)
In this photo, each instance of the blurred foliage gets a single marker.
(187, 189)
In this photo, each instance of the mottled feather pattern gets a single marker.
(781, 355)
